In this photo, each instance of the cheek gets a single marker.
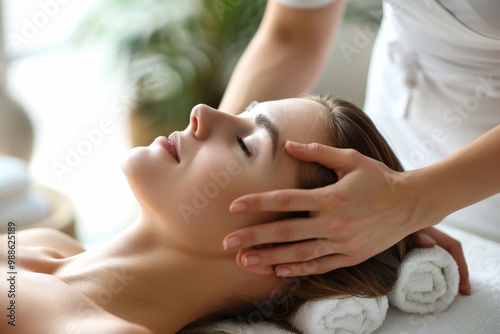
(203, 187)
(210, 188)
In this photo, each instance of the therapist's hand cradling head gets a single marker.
(370, 210)
(315, 240)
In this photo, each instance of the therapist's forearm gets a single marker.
(461, 179)
(267, 71)
(285, 58)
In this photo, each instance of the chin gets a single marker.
(141, 169)
(152, 182)
(131, 163)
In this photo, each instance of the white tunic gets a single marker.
(434, 86)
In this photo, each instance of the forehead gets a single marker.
(297, 119)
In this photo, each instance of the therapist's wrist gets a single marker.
(426, 201)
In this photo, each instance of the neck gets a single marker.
(145, 278)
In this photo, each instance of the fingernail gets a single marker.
(294, 145)
(237, 207)
(251, 260)
(425, 239)
(283, 272)
(231, 242)
(465, 289)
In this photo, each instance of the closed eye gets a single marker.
(244, 146)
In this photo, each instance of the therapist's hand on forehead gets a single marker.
(368, 210)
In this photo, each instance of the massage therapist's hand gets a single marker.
(366, 212)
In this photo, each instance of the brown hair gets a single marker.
(347, 126)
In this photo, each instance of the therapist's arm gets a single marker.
(464, 178)
(285, 57)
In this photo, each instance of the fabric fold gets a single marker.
(350, 315)
(428, 281)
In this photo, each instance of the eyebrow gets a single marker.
(262, 121)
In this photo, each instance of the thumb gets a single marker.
(338, 159)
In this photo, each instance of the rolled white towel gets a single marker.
(352, 315)
(428, 281)
(233, 326)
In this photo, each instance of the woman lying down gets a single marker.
(168, 271)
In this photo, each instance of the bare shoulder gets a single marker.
(98, 325)
(49, 305)
(48, 237)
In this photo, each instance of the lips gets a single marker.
(171, 145)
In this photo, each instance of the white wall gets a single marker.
(347, 72)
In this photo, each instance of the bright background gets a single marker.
(66, 92)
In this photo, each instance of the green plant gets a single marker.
(175, 53)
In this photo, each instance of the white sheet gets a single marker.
(478, 313)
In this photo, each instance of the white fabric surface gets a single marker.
(433, 87)
(305, 4)
(478, 15)
(350, 315)
(427, 283)
(478, 313)
(230, 327)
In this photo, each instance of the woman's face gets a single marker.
(218, 158)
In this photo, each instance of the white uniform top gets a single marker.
(304, 4)
(434, 86)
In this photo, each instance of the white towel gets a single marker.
(236, 327)
(428, 281)
(350, 315)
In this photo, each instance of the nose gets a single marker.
(205, 119)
